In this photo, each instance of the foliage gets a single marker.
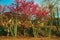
(18, 19)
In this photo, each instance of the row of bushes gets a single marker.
(23, 31)
(15, 25)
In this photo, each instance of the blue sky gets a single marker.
(5, 2)
(8, 2)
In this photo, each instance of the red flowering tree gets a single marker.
(24, 7)
(29, 8)
(2, 9)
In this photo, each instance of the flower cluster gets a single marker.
(2, 9)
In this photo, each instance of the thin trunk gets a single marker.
(15, 26)
(57, 24)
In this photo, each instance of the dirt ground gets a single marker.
(29, 38)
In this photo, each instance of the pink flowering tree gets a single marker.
(2, 10)
(22, 7)
(25, 10)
